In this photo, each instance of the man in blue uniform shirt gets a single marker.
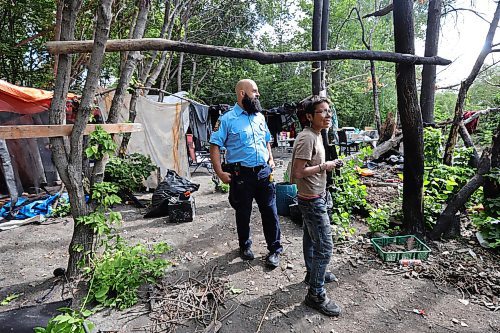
(243, 132)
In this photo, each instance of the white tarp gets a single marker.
(164, 132)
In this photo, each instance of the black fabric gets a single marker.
(199, 121)
(23, 320)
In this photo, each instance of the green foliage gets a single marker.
(441, 182)
(378, 221)
(488, 226)
(63, 208)
(102, 219)
(224, 188)
(100, 144)
(488, 221)
(432, 146)
(69, 321)
(121, 270)
(9, 299)
(348, 195)
(129, 172)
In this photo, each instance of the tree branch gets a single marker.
(67, 47)
(381, 12)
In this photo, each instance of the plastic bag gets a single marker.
(170, 190)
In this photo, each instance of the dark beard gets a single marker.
(251, 106)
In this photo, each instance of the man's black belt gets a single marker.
(252, 169)
(237, 168)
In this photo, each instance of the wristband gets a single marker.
(320, 168)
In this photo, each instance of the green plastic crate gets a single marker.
(420, 250)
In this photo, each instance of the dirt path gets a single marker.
(372, 298)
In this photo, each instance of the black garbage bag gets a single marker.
(170, 190)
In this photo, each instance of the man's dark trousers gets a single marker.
(246, 185)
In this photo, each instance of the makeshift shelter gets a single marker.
(164, 131)
(31, 159)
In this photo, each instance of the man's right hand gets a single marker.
(225, 177)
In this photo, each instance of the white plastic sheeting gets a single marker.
(164, 135)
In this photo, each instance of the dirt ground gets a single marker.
(374, 297)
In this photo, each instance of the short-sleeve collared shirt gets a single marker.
(245, 137)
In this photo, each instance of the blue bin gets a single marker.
(285, 195)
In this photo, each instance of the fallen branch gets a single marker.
(148, 44)
(263, 316)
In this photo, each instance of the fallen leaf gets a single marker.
(463, 324)
(235, 291)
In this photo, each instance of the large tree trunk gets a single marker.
(464, 88)
(316, 46)
(427, 91)
(68, 156)
(491, 187)
(131, 63)
(449, 222)
(411, 120)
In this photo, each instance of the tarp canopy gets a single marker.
(25, 100)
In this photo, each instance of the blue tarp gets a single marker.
(24, 210)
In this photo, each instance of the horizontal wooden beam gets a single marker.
(159, 44)
(47, 131)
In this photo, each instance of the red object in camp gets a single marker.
(25, 100)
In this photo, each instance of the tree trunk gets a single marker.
(325, 15)
(68, 156)
(464, 88)
(411, 120)
(464, 133)
(427, 91)
(378, 120)
(130, 65)
(316, 46)
(448, 219)
(491, 187)
(131, 118)
(179, 72)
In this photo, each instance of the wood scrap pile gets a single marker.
(200, 298)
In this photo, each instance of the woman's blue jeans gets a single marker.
(317, 241)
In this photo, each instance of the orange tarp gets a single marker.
(24, 100)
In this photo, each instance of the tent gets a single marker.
(31, 159)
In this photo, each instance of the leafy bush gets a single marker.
(121, 270)
(432, 146)
(441, 182)
(488, 221)
(100, 144)
(129, 172)
(63, 208)
(69, 321)
(348, 195)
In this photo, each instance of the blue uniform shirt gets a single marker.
(244, 136)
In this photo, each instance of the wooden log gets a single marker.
(386, 146)
(148, 44)
(47, 131)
